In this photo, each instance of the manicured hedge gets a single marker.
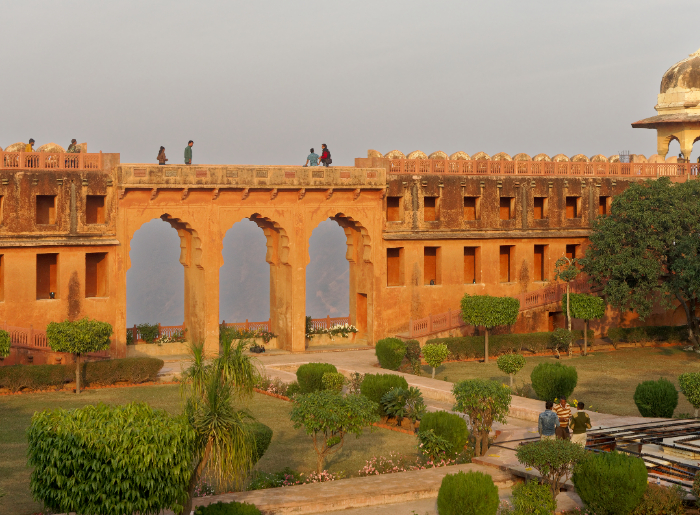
(390, 353)
(470, 347)
(39, 377)
(655, 333)
(471, 493)
(310, 376)
(449, 426)
(374, 386)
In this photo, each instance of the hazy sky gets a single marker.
(261, 82)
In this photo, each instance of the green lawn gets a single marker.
(289, 447)
(606, 380)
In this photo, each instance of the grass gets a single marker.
(606, 380)
(289, 447)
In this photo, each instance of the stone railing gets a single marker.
(328, 322)
(50, 161)
(543, 168)
(26, 336)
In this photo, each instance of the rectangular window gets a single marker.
(394, 267)
(431, 265)
(507, 210)
(540, 263)
(472, 208)
(603, 205)
(2, 278)
(472, 265)
(393, 209)
(96, 274)
(430, 213)
(506, 262)
(571, 251)
(573, 207)
(541, 208)
(45, 209)
(46, 276)
(95, 209)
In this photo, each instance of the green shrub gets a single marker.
(261, 480)
(449, 426)
(654, 333)
(553, 459)
(413, 355)
(390, 353)
(333, 381)
(472, 493)
(656, 398)
(374, 386)
(690, 386)
(511, 364)
(432, 446)
(553, 380)
(148, 332)
(435, 354)
(33, 377)
(562, 339)
(147, 453)
(310, 376)
(263, 437)
(228, 508)
(659, 500)
(610, 483)
(4, 343)
(532, 498)
(294, 388)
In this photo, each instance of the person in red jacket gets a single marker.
(325, 155)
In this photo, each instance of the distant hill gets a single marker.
(155, 281)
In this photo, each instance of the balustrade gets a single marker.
(50, 161)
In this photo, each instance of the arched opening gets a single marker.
(328, 274)
(674, 148)
(244, 278)
(155, 281)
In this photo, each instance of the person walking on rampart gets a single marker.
(29, 147)
(563, 411)
(161, 155)
(73, 148)
(325, 155)
(312, 159)
(580, 423)
(547, 422)
(188, 152)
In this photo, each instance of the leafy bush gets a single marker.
(532, 498)
(355, 382)
(310, 376)
(690, 386)
(413, 355)
(654, 333)
(553, 459)
(484, 402)
(471, 493)
(89, 447)
(263, 437)
(400, 403)
(333, 381)
(148, 332)
(327, 417)
(374, 386)
(41, 377)
(659, 500)
(433, 446)
(488, 312)
(390, 353)
(229, 508)
(616, 335)
(562, 339)
(553, 380)
(610, 483)
(435, 354)
(294, 388)
(656, 398)
(511, 364)
(4, 344)
(261, 480)
(449, 426)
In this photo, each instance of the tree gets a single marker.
(585, 307)
(5, 343)
(225, 442)
(435, 354)
(327, 417)
(510, 364)
(78, 337)
(553, 459)
(647, 250)
(566, 270)
(484, 402)
(489, 312)
(690, 386)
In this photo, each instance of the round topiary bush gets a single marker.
(656, 398)
(333, 381)
(532, 498)
(449, 426)
(310, 376)
(510, 364)
(610, 483)
(553, 380)
(471, 493)
(228, 508)
(390, 353)
(374, 386)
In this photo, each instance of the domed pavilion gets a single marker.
(678, 106)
